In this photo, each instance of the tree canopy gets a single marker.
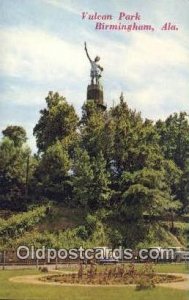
(113, 163)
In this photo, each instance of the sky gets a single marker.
(42, 49)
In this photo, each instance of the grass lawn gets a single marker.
(172, 268)
(9, 290)
(160, 268)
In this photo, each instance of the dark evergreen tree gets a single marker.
(92, 128)
(91, 181)
(57, 122)
(14, 173)
(52, 178)
(15, 133)
(174, 142)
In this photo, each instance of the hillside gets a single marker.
(68, 227)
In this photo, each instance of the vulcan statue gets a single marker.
(96, 69)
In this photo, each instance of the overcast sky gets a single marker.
(42, 50)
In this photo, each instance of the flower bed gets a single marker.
(118, 275)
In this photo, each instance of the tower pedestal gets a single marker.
(95, 92)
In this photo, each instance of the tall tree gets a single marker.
(174, 138)
(92, 127)
(52, 177)
(135, 140)
(183, 188)
(15, 133)
(143, 193)
(102, 191)
(174, 142)
(57, 122)
(82, 178)
(14, 174)
(91, 181)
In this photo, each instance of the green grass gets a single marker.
(172, 268)
(159, 268)
(19, 291)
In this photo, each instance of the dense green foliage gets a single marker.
(14, 174)
(51, 178)
(174, 142)
(15, 133)
(91, 181)
(18, 224)
(121, 170)
(57, 122)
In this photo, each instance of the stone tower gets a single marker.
(95, 92)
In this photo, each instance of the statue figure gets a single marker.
(95, 68)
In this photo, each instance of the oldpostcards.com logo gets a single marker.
(99, 253)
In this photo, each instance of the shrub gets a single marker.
(145, 282)
(146, 279)
(82, 233)
(43, 269)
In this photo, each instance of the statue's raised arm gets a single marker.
(87, 52)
